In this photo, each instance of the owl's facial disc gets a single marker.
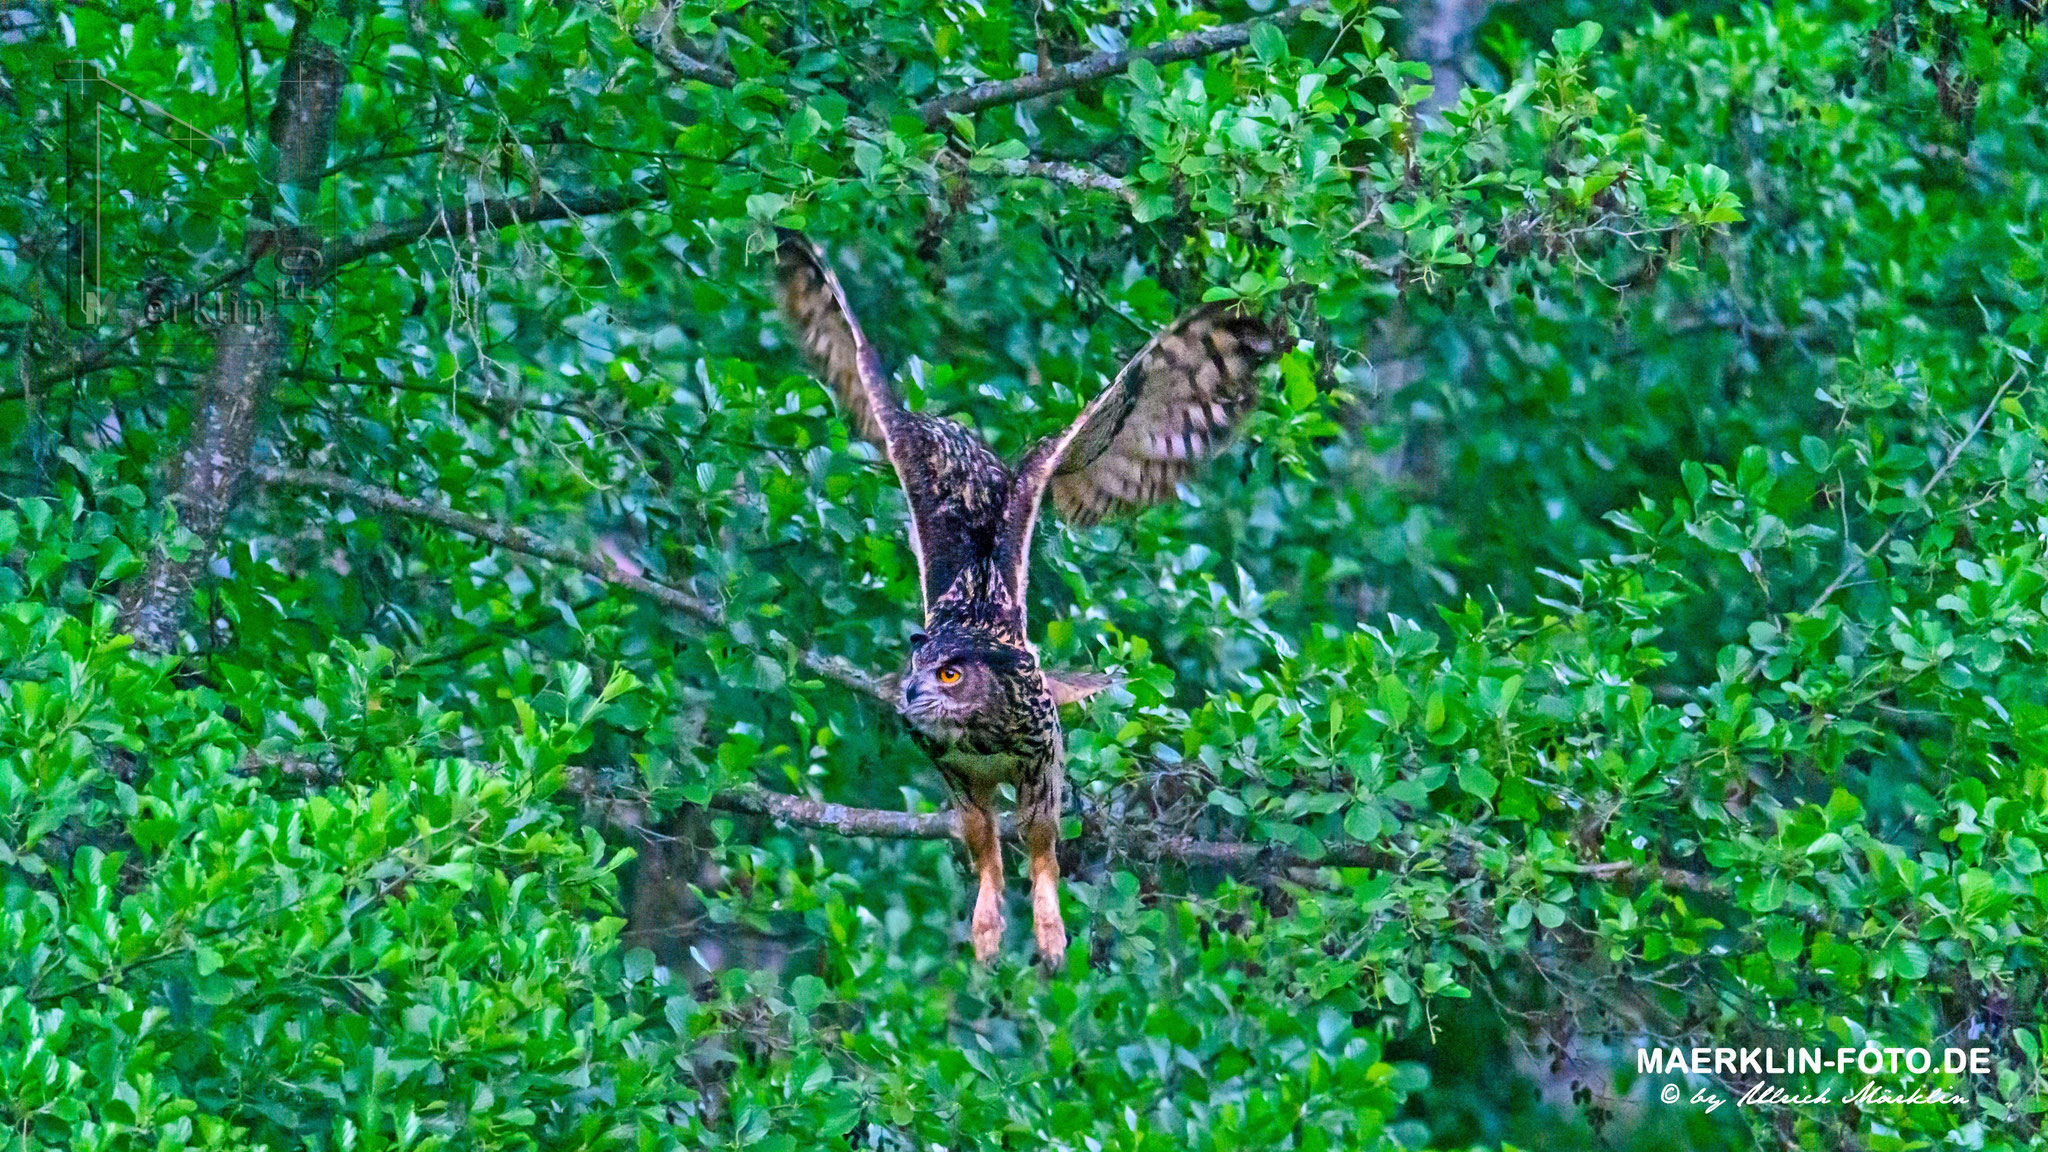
(944, 691)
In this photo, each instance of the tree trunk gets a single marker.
(1440, 35)
(204, 482)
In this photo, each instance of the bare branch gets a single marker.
(652, 39)
(837, 669)
(1207, 42)
(1075, 174)
(467, 219)
(1141, 840)
(838, 818)
(1146, 841)
(1057, 171)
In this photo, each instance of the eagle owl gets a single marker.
(976, 699)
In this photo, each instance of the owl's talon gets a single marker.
(987, 930)
(1052, 942)
(1046, 923)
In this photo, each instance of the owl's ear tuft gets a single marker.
(1074, 687)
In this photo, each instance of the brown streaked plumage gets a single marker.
(975, 696)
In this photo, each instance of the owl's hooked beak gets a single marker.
(910, 690)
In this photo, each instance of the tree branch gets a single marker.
(1207, 42)
(1061, 172)
(754, 800)
(471, 217)
(837, 669)
(1057, 171)
(682, 64)
(1140, 840)
(650, 39)
(1146, 841)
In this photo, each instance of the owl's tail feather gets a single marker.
(1074, 687)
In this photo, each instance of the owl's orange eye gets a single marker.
(949, 676)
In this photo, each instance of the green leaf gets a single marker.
(1298, 373)
(807, 993)
(1785, 940)
(1577, 40)
(1695, 480)
(1476, 780)
(1144, 77)
(1268, 44)
(867, 157)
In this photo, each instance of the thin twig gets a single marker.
(1858, 558)
(447, 221)
(96, 354)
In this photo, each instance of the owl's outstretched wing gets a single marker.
(954, 484)
(815, 307)
(1167, 412)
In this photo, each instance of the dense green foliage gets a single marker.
(1634, 578)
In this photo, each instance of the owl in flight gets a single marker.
(974, 694)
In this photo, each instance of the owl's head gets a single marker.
(956, 678)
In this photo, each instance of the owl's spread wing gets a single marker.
(815, 308)
(1167, 412)
(1170, 409)
(955, 486)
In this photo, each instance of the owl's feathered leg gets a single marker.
(1038, 817)
(1043, 841)
(978, 828)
